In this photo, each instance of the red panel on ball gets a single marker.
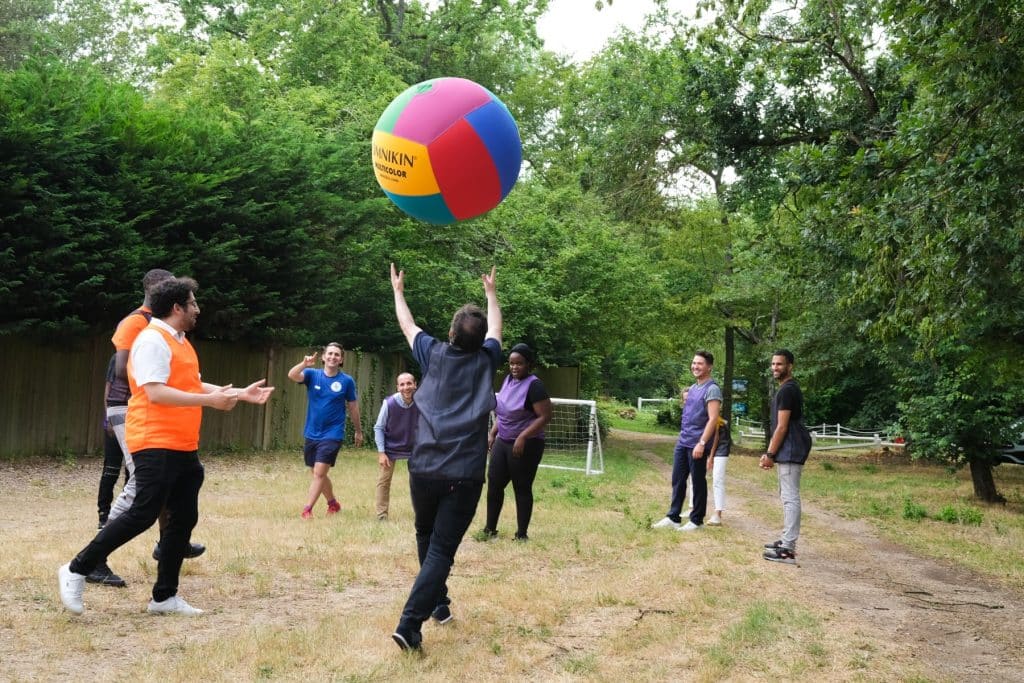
(464, 171)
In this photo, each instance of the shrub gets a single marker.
(912, 510)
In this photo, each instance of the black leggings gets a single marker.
(521, 471)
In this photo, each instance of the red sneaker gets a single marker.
(333, 507)
(307, 513)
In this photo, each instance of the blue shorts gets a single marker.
(323, 450)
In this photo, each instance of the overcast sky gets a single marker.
(576, 28)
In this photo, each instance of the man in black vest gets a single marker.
(449, 457)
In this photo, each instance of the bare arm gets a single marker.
(295, 374)
(543, 410)
(121, 364)
(714, 409)
(778, 436)
(405, 320)
(494, 320)
(353, 413)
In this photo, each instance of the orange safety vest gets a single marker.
(155, 425)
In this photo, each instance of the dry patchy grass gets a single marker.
(594, 595)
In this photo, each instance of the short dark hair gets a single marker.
(469, 328)
(336, 345)
(785, 353)
(525, 351)
(155, 277)
(706, 355)
(174, 290)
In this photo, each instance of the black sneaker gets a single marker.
(773, 544)
(522, 537)
(442, 614)
(780, 554)
(194, 550)
(407, 641)
(103, 575)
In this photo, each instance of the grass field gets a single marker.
(594, 595)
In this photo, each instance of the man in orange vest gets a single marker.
(162, 433)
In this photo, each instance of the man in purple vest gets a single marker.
(696, 432)
(449, 454)
(394, 433)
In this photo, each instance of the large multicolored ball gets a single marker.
(446, 150)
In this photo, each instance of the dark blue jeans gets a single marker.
(683, 464)
(162, 477)
(444, 510)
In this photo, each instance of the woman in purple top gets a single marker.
(516, 440)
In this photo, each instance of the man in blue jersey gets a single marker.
(332, 396)
(449, 455)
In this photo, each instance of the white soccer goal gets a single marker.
(656, 401)
(572, 440)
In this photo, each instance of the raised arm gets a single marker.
(295, 374)
(402, 312)
(494, 321)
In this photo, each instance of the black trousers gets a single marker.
(521, 471)
(113, 460)
(162, 478)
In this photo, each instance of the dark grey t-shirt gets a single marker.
(455, 398)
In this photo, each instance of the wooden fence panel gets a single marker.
(51, 398)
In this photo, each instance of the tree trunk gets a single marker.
(730, 361)
(984, 484)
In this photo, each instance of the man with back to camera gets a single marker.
(162, 433)
(449, 457)
(117, 407)
(788, 448)
(697, 428)
(394, 433)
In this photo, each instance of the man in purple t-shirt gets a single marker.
(696, 432)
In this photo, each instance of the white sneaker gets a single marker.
(665, 523)
(173, 605)
(72, 586)
(690, 526)
(714, 520)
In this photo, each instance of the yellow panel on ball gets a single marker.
(402, 166)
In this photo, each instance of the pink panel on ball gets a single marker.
(431, 112)
(464, 171)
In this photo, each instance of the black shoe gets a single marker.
(442, 614)
(485, 534)
(194, 550)
(407, 641)
(780, 554)
(773, 544)
(522, 537)
(103, 575)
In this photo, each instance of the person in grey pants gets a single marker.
(788, 448)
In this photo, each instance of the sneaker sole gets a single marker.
(782, 560)
(403, 643)
(443, 621)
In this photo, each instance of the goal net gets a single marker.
(572, 440)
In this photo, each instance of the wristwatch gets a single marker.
(702, 442)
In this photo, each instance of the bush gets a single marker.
(913, 511)
(671, 415)
(960, 515)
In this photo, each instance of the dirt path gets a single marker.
(962, 625)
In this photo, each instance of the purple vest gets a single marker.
(511, 411)
(400, 429)
(695, 415)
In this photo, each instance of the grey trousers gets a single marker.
(789, 491)
(116, 416)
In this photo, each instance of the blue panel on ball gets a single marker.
(430, 208)
(496, 127)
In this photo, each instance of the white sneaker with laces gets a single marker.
(666, 523)
(173, 605)
(714, 520)
(72, 586)
(690, 526)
